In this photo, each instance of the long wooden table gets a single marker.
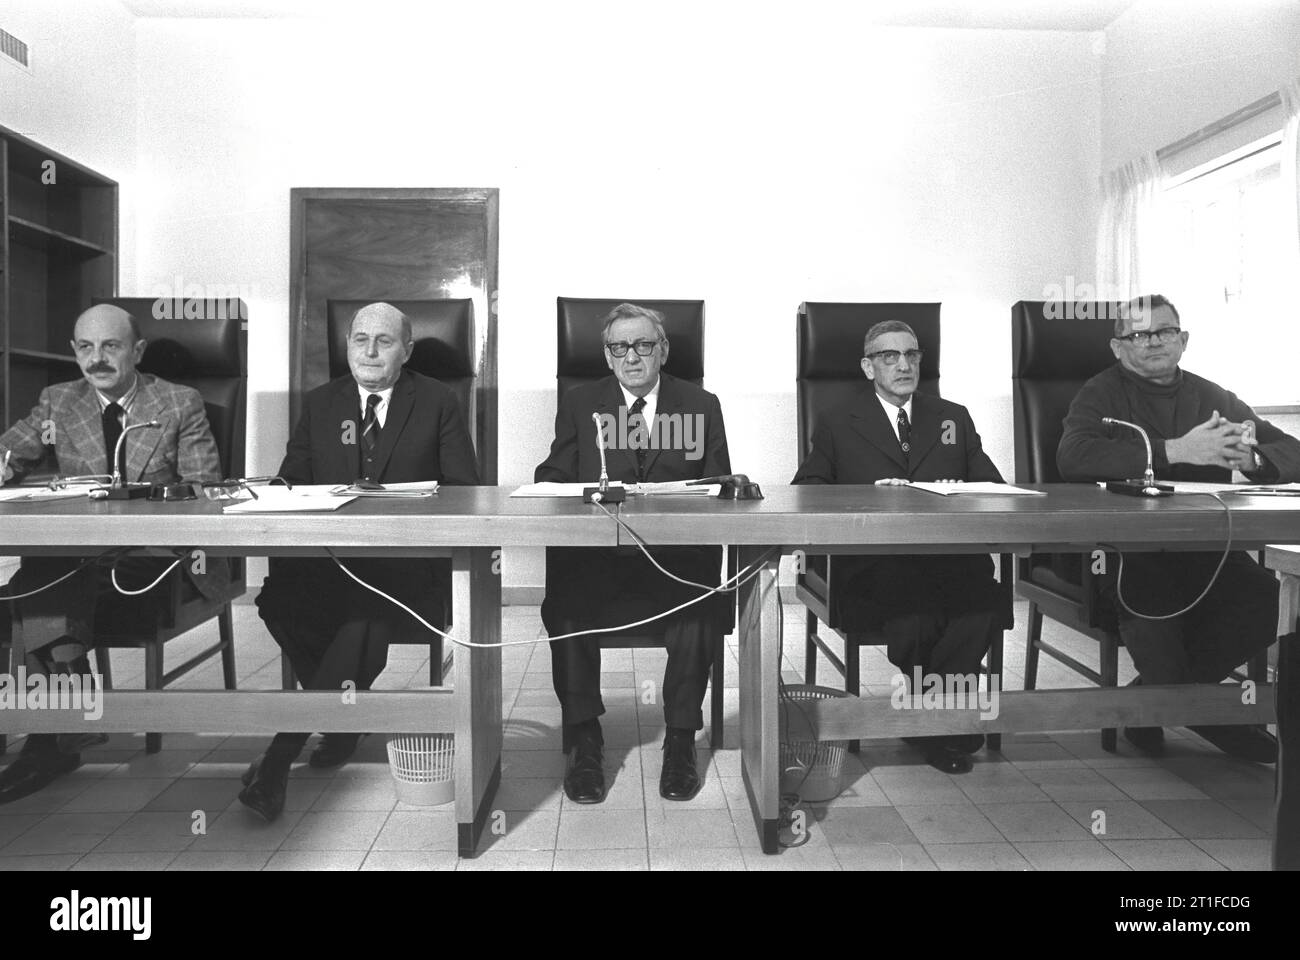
(470, 524)
(869, 519)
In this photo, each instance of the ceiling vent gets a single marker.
(13, 48)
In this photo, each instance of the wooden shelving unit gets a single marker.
(58, 252)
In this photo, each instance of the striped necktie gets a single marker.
(904, 436)
(369, 436)
(634, 412)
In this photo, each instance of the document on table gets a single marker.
(302, 498)
(675, 488)
(414, 488)
(981, 488)
(1242, 489)
(38, 494)
(552, 489)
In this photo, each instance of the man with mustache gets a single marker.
(78, 424)
(938, 613)
(1197, 433)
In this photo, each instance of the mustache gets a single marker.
(100, 367)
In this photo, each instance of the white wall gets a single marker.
(754, 162)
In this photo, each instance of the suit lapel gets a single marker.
(141, 444)
(869, 420)
(84, 428)
(400, 405)
(610, 402)
(925, 428)
(345, 408)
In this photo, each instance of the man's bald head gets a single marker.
(108, 345)
(383, 312)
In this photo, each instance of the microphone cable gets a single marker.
(1119, 576)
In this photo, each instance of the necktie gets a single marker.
(112, 431)
(369, 436)
(904, 435)
(635, 412)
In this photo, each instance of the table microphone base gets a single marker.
(611, 495)
(129, 491)
(1139, 488)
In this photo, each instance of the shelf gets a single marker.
(33, 234)
(19, 353)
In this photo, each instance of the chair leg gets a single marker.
(287, 680)
(810, 651)
(105, 665)
(715, 691)
(225, 627)
(994, 740)
(1110, 678)
(153, 671)
(852, 678)
(1035, 635)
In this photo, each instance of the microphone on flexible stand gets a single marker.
(1147, 486)
(118, 490)
(603, 493)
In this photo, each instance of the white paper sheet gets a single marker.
(298, 500)
(551, 489)
(981, 488)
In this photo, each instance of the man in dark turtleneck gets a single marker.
(1198, 432)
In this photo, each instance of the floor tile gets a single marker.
(316, 860)
(1069, 855)
(1203, 819)
(65, 833)
(1033, 821)
(509, 860)
(689, 828)
(622, 860)
(132, 862)
(418, 831)
(1240, 854)
(976, 856)
(220, 860)
(410, 860)
(696, 858)
(517, 830)
(597, 829)
(335, 830)
(949, 823)
(150, 832)
(883, 856)
(1163, 855)
(1119, 820)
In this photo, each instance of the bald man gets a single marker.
(78, 424)
(384, 424)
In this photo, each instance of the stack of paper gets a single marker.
(981, 487)
(283, 500)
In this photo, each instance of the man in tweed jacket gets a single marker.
(77, 423)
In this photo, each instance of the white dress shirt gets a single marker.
(381, 408)
(651, 402)
(891, 413)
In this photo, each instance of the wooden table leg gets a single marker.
(760, 668)
(1286, 823)
(476, 614)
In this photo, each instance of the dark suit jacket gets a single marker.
(574, 575)
(423, 438)
(855, 443)
(181, 449)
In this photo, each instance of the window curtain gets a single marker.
(1291, 164)
(1127, 246)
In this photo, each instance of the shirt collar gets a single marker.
(651, 398)
(383, 395)
(891, 410)
(124, 402)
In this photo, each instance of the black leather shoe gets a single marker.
(679, 779)
(1243, 741)
(947, 758)
(334, 749)
(1148, 740)
(34, 771)
(265, 787)
(584, 770)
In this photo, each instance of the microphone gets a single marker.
(603, 493)
(1147, 486)
(735, 486)
(118, 490)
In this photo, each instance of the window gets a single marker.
(1227, 246)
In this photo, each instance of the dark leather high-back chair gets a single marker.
(830, 339)
(445, 348)
(1055, 348)
(199, 344)
(580, 358)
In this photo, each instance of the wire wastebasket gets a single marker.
(813, 769)
(423, 768)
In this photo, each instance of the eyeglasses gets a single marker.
(1163, 335)
(230, 489)
(890, 357)
(643, 348)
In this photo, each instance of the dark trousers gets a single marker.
(332, 630)
(1236, 620)
(575, 671)
(69, 608)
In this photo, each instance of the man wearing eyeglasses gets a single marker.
(1198, 433)
(589, 588)
(78, 426)
(936, 613)
(379, 423)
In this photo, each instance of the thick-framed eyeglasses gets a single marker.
(1143, 337)
(231, 489)
(890, 357)
(643, 348)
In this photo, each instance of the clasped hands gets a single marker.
(1218, 442)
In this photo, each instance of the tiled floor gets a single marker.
(1047, 802)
